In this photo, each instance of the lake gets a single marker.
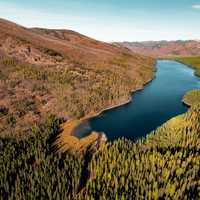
(159, 101)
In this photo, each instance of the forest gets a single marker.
(164, 165)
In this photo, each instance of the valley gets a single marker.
(83, 119)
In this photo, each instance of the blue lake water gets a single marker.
(159, 101)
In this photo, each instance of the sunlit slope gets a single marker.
(192, 97)
(192, 62)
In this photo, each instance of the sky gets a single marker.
(110, 20)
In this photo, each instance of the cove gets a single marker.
(159, 101)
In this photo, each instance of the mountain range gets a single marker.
(164, 48)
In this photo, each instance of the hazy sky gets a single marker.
(110, 20)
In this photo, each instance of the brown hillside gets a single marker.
(62, 72)
(44, 46)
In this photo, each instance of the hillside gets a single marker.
(61, 72)
(164, 48)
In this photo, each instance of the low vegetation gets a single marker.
(67, 139)
(193, 62)
(28, 91)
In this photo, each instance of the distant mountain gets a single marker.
(164, 48)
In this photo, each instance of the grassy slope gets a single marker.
(194, 62)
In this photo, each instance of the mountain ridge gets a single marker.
(164, 48)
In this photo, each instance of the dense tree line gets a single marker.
(164, 165)
(30, 170)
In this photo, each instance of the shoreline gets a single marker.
(190, 66)
(130, 99)
(125, 102)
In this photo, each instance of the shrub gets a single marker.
(3, 110)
